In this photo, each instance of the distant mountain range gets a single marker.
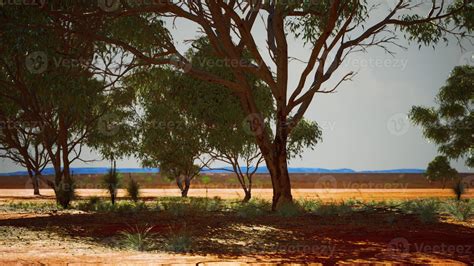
(261, 170)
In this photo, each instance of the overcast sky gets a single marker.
(364, 124)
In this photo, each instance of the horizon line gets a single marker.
(261, 170)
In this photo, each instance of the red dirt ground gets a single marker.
(220, 239)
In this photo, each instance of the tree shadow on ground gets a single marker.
(360, 236)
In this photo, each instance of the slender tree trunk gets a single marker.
(35, 180)
(187, 184)
(248, 195)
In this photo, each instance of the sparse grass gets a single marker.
(27, 206)
(460, 210)
(177, 208)
(333, 209)
(138, 238)
(309, 205)
(253, 208)
(98, 205)
(427, 209)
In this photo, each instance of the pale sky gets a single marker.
(364, 124)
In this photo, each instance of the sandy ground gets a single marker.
(323, 194)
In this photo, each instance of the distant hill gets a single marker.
(261, 170)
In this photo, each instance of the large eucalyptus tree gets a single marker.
(331, 30)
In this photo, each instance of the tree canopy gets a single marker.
(449, 124)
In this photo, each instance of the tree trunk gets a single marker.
(35, 181)
(248, 195)
(278, 167)
(187, 184)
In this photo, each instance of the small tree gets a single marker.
(133, 189)
(440, 169)
(111, 182)
(449, 125)
(205, 179)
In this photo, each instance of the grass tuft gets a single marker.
(460, 210)
(138, 238)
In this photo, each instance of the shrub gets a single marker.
(138, 238)
(252, 208)
(426, 210)
(309, 205)
(133, 189)
(460, 210)
(111, 182)
(120, 207)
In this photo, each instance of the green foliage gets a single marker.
(450, 124)
(205, 179)
(305, 135)
(309, 205)
(133, 189)
(181, 207)
(138, 238)
(460, 210)
(440, 169)
(426, 209)
(252, 208)
(309, 27)
(121, 207)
